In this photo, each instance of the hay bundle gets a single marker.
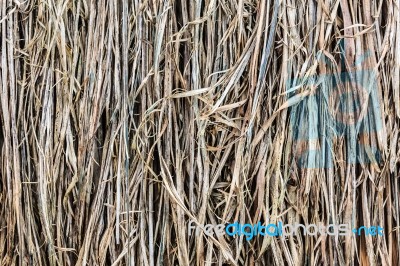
(124, 121)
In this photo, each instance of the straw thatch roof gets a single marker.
(122, 121)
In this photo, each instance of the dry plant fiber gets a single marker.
(124, 122)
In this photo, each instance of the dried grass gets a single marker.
(123, 120)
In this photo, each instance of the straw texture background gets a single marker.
(121, 121)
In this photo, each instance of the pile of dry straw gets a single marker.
(121, 121)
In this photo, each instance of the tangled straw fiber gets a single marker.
(123, 121)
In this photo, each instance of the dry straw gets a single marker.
(123, 120)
